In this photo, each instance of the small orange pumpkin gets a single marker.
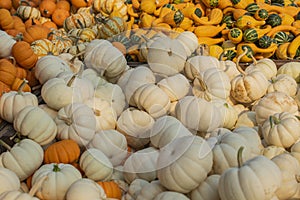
(35, 32)
(111, 189)
(59, 16)
(24, 55)
(3, 88)
(19, 24)
(31, 21)
(7, 4)
(81, 3)
(63, 151)
(21, 73)
(50, 25)
(7, 71)
(65, 5)
(47, 8)
(6, 20)
(17, 83)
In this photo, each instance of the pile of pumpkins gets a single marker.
(188, 126)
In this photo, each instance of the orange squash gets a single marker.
(30, 77)
(7, 4)
(3, 88)
(35, 32)
(111, 189)
(24, 55)
(7, 71)
(21, 73)
(59, 16)
(47, 8)
(17, 83)
(6, 20)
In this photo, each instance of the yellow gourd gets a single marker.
(286, 19)
(148, 6)
(208, 30)
(296, 24)
(242, 4)
(224, 4)
(294, 45)
(235, 35)
(173, 18)
(146, 20)
(215, 17)
(281, 51)
(215, 50)
(210, 41)
(278, 28)
(236, 13)
(186, 24)
(247, 21)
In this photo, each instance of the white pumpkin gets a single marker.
(297, 98)
(274, 102)
(184, 163)
(272, 151)
(9, 179)
(23, 158)
(165, 129)
(48, 67)
(6, 44)
(141, 164)
(59, 178)
(266, 65)
(36, 124)
(169, 195)
(73, 61)
(173, 53)
(282, 129)
(189, 41)
(112, 143)
(104, 114)
(14, 101)
(198, 114)
(76, 121)
(17, 195)
(247, 119)
(85, 189)
(135, 188)
(51, 112)
(229, 67)
(93, 76)
(208, 189)
(228, 114)
(176, 86)
(283, 83)
(292, 69)
(295, 150)
(135, 125)
(149, 191)
(96, 165)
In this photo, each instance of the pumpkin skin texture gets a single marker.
(292, 69)
(64, 151)
(177, 160)
(24, 55)
(76, 121)
(151, 190)
(208, 189)
(189, 41)
(251, 181)
(272, 151)
(10, 179)
(6, 43)
(96, 165)
(8, 71)
(283, 83)
(266, 66)
(85, 189)
(60, 177)
(14, 158)
(36, 124)
(111, 189)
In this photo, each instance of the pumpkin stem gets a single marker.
(68, 121)
(297, 116)
(238, 62)
(97, 112)
(37, 186)
(70, 82)
(56, 168)
(254, 59)
(24, 187)
(274, 121)
(297, 178)
(222, 56)
(202, 86)
(5, 145)
(14, 62)
(20, 89)
(240, 156)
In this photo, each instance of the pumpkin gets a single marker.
(63, 151)
(247, 118)
(165, 129)
(208, 189)
(111, 189)
(108, 7)
(7, 71)
(283, 83)
(35, 32)
(170, 195)
(60, 15)
(24, 55)
(59, 178)
(93, 76)
(85, 188)
(188, 151)
(47, 8)
(265, 65)
(26, 12)
(6, 43)
(206, 116)
(274, 102)
(78, 20)
(112, 143)
(36, 124)
(96, 165)
(135, 125)
(6, 20)
(76, 121)
(228, 113)
(14, 101)
(135, 188)
(10, 179)
(43, 47)
(73, 61)
(232, 182)
(13, 159)
(17, 84)
(7, 4)
(141, 164)
(189, 41)
(111, 27)
(292, 69)
(60, 39)
(271, 151)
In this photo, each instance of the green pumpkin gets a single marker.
(265, 42)
(122, 39)
(229, 54)
(229, 20)
(263, 14)
(250, 52)
(252, 8)
(274, 20)
(170, 6)
(235, 32)
(178, 17)
(281, 37)
(250, 35)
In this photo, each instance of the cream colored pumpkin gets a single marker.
(274, 102)
(96, 165)
(36, 124)
(266, 65)
(178, 161)
(135, 188)
(290, 170)
(6, 43)
(9, 179)
(85, 189)
(141, 164)
(283, 83)
(173, 53)
(106, 59)
(112, 143)
(14, 101)
(169, 195)
(17, 195)
(205, 114)
(105, 115)
(149, 191)
(297, 98)
(176, 86)
(48, 67)
(165, 129)
(73, 61)
(208, 189)
(272, 151)
(93, 76)
(135, 125)
(228, 114)
(59, 178)
(282, 129)
(292, 69)
(23, 158)
(133, 78)
(51, 112)
(295, 150)
(189, 41)
(229, 67)
(247, 119)
(76, 121)
(145, 97)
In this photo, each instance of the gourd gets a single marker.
(76, 121)
(59, 179)
(36, 124)
(147, 167)
(10, 179)
(111, 27)
(269, 179)
(208, 189)
(274, 20)
(13, 158)
(85, 188)
(254, 34)
(295, 150)
(247, 21)
(283, 83)
(188, 151)
(292, 48)
(6, 44)
(14, 101)
(112, 143)
(96, 165)
(235, 35)
(43, 47)
(214, 17)
(24, 55)
(26, 12)
(78, 20)
(228, 113)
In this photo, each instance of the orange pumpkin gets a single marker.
(31, 21)
(32, 3)
(3, 88)
(47, 8)
(17, 83)
(7, 71)
(21, 73)
(50, 25)
(6, 20)
(63, 151)
(111, 189)
(19, 24)
(65, 5)
(7, 4)
(35, 32)
(81, 3)
(13, 32)
(59, 16)
(24, 55)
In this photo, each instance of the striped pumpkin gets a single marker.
(252, 8)
(27, 12)
(44, 47)
(78, 20)
(110, 27)
(274, 20)
(211, 3)
(106, 7)
(281, 37)
(250, 35)
(82, 35)
(265, 42)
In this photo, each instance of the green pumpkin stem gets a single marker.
(5, 145)
(56, 168)
(37, 186)
(70, 82)
(203, 87)
(240, 156)
(273, 121)
(238, 62)
(297, 116)
(20, 89)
